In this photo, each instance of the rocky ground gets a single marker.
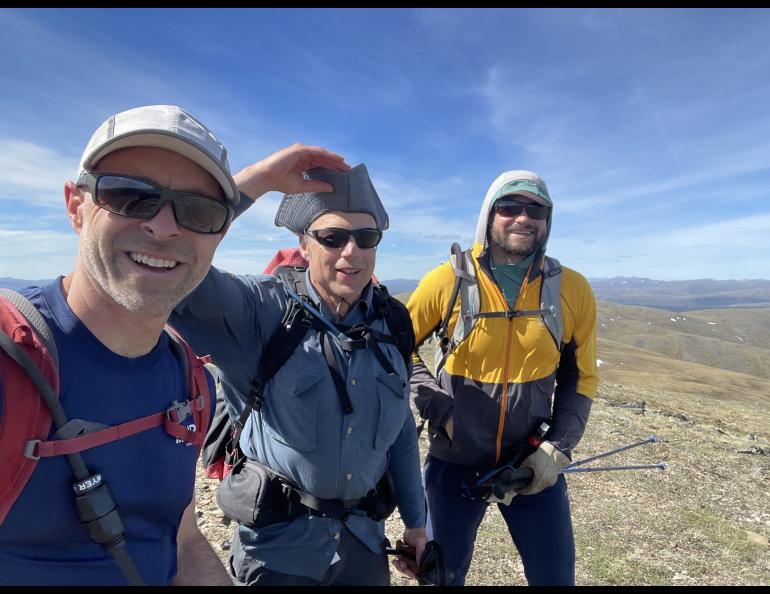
(703, 521)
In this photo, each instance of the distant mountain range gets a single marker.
(682, 295)
(670, 295)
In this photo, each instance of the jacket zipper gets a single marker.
(504, 394)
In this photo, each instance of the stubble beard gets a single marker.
(138, 295)
(502, 240)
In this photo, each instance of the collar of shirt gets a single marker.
(359, 311)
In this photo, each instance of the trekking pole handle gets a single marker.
(650, 439)
(512, 480)
(659, 466)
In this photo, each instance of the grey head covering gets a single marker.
(353, 192)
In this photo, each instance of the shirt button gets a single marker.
(350, 430)
(337, 536)
(353, 381)
(348, 476)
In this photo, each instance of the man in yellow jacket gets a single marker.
(505, 376)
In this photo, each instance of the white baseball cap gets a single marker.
(163, 126)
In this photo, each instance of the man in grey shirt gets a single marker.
(332, 439)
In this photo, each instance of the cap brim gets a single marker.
(533, 196)
(159, 139)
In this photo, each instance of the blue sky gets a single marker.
(650, 127)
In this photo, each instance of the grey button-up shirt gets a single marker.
(301, 431)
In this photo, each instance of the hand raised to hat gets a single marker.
(282, 171)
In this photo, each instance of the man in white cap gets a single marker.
(523, 325)
(316, 378)
(153, 200)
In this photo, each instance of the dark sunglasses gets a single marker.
(514, 209)
(139, 199)
(334, 237)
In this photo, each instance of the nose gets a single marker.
(522, 215)
(350, 248)
(163, 225)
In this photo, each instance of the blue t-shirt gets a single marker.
(151, 474)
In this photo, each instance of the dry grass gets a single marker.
(704, 521)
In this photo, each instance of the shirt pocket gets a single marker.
(392, 410)
(290, 410)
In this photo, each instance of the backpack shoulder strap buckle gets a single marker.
(179, 410)
(30, 449)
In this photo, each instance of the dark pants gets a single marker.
(540, 525)
(357, 566)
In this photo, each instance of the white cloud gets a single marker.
(33, 174)
(750, 233)
(37, 254)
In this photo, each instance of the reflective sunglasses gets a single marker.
(334, 237)
(508, 208)
(140, 199)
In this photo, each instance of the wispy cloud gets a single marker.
(646, 124)
(37, 254)
(33, 174)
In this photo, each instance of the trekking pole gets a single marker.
(659, 466)
(650, 439)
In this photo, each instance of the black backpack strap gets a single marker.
(339, 381)
(282, 343)
(398, 320)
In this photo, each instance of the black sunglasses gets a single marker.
(334, 237)
(140, 199)
(514, 209)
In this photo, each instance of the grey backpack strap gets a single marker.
(550, 299)
(466, 288)
(35, 319)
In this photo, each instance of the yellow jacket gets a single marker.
(508, 375)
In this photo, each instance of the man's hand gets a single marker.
(546, 462)
(282, 171)
(449, 427)
(416, 539)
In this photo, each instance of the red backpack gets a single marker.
(29, 385)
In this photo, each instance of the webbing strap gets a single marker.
(339, 382)
(521, 313)
(334, 508)
(60, 447)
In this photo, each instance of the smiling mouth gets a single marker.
(349, 271)
(522, 232)
(152, 263)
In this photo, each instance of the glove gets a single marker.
(546, 462)
(506, 499)
(507, 484)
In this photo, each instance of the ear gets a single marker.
(74, 199)
(303, 250)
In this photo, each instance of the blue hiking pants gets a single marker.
(540, 525)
